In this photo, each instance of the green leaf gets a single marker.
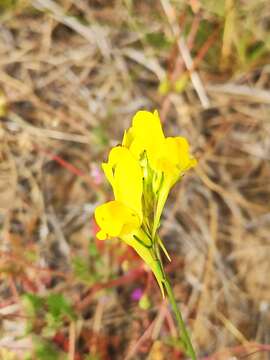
(81, 269)
(92, 249)
(59, 306)
(44, 350)
(32, 303)
(53, 324)
(158, 40)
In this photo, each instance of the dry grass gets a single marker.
(72, 74)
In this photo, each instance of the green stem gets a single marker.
(183, 333)
(181, 325)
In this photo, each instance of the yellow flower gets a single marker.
(115, 219)
(141, 173)
(168, 158)
(145, 134)
(173, 158)
(123, 216)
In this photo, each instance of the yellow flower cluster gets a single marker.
(141, 172)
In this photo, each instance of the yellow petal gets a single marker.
(125, 175)
(101, 235)
(115, 219)
(147, 134)
(128, 138)
(145, 123)
(172, 160)
(177, 149)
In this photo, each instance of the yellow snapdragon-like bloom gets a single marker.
(141, 173)
(169, 158)
(121, 216)
(146, 134)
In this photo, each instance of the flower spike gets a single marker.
(141, 172)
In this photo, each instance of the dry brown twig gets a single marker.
(194, 76)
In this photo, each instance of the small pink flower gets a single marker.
(96, 174)
(136, 294)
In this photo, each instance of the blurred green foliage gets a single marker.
(47, 313)
(45, 350)
(59, 307)
(92, 357)
(6, 4)
(89, 269)
(158, 40)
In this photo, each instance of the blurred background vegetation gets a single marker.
(72, 74)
